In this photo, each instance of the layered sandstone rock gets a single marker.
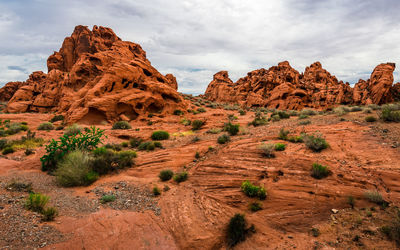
(285, 88)
(9, 90)
(97, 77)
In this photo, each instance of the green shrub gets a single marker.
(19, 186)
(156, 191)
(283, 134)
(148, 146)
(237, 231)
(166, 175)
(180, 177)
(46, 126)
(8, 150)
(75, 170)
(281, 114)
(125, 144)
(374, 106)
(253, 191)
(367, 111)
(374, 196)
(49, 213)
(315, 142)
(280, 147)
(36, 202)
(3, 143)
(214, 131)
(74, 129)
(160, 135)
(255, 206)
(201, 110)
(302, 116)
(390, 114)
(197, 155)
(232, 129)
(307, 112)
(305, 122)
(135, 142)
(392, 231)
(267, 149)
(124, 159)
(351, 201)
(275, 118)
(319, 171)
(56, 150)
(158, 144)
(370, 119)
(186, 122)
(29, 151)
(197, 124)
(106, 161)
(121, 125)
(57, 118)
(341, 110)
(242, 112)
(315, 232)
(14, 128)
(113, 146)
(107, 198)
(295, 139)
(222, 139)
(178, 112)
(355, 109)
(259, 120)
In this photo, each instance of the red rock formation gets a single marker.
(395, 92)
(285, 88)
(378, 88)
(8, 90)
(96, 77)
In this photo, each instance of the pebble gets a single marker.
(335, 211)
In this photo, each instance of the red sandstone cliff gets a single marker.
(96, 76)
(285, 88)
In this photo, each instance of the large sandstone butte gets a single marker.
(96, 77)
(285, 88)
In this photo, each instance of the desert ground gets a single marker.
(299, 211)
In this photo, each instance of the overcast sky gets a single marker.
(193, 39)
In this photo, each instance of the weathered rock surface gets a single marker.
(285, 88)
(8, 90)
(97, 77)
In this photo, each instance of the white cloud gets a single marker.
(193, 39)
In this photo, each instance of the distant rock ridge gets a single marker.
(96, 76)
(283, 87)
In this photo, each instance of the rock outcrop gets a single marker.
(285, 88)
(97, 77)
(9, 90)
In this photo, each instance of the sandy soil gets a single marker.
(194, 214)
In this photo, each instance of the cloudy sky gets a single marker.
(193, 39)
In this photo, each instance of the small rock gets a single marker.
(335, 211)
(290, 236)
